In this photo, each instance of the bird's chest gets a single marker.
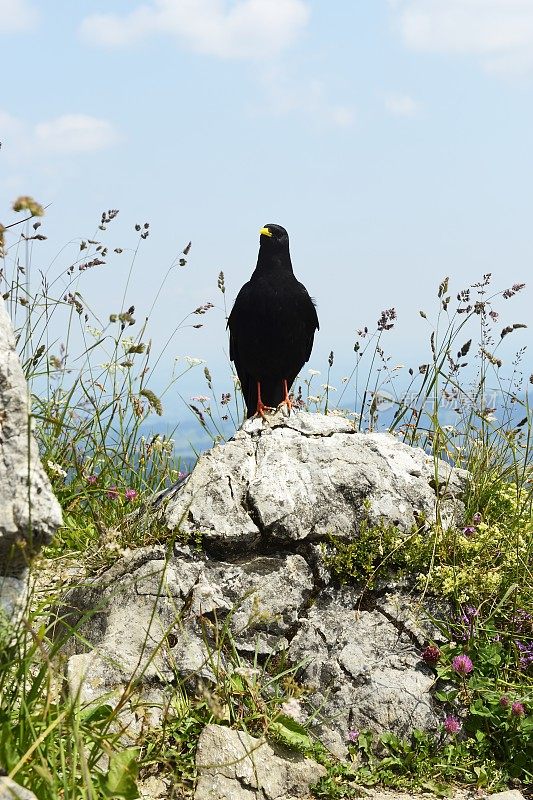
(272, 306)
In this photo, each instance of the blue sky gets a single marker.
(392, 139)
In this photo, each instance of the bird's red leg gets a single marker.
(286, 399)
(261, 408)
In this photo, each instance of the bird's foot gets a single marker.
(261, 407)
(260, 410)
(286, 400)
(285, 404)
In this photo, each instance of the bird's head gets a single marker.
(274, 237)
(273, 249)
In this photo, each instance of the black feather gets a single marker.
(272, 324)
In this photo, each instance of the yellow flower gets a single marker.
(26, 203)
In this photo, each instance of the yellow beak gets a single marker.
(265, 232)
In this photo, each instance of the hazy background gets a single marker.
(392, 139)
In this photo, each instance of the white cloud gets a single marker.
(75, 133)
(285, 95)
(498, 32)
(24, 143)
(16, 15)
(246, 29)
(401, 105)
(9, 126)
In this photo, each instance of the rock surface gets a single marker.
(29, 512)
(263, 502)
(511, 794)
(234, 766)
(302, 478)
(9, 790)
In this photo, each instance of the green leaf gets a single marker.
(447, 697)
(290, 732)
(95, 714)
(121, 779)
(480, 710)
(439, 789)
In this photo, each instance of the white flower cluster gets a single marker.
(191, 361)
(95, 333)
(158, 444)
(56, 469)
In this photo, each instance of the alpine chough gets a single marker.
(272, 326)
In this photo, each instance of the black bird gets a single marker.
(272, 326)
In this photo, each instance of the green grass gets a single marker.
(91, 403)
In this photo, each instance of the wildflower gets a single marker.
(431, 654)
(193, 362)
(329, 388)
(477, 518)
(313, 399)
(465, 624)
(525, 652)
(95, 332)
(469, 530)
(56, 469)
(292, 708)
(523, 620)
(247, 672)
(462, 665)
(112, 493)
(352, 735)
(26, 203)
(156, 444)
(516, 287)
(452, 724)
(130, 494)
(92, 479)
(313, 372)
(504, 701)
(386, 320)
(517, 709)
(112, 367)
(201, 398)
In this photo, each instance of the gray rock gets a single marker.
(364, 667)
(9, 790)
(235, 766)
(265, 501)
(305, 477)
(29, 512)
(511, 794)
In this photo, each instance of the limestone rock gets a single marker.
(29, 512)
(235, 766)
(264, 502)
(364, 667)
(9, 790)
(304, 477)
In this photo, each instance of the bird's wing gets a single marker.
(235, 334)
(234, 321)
(309, 319)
